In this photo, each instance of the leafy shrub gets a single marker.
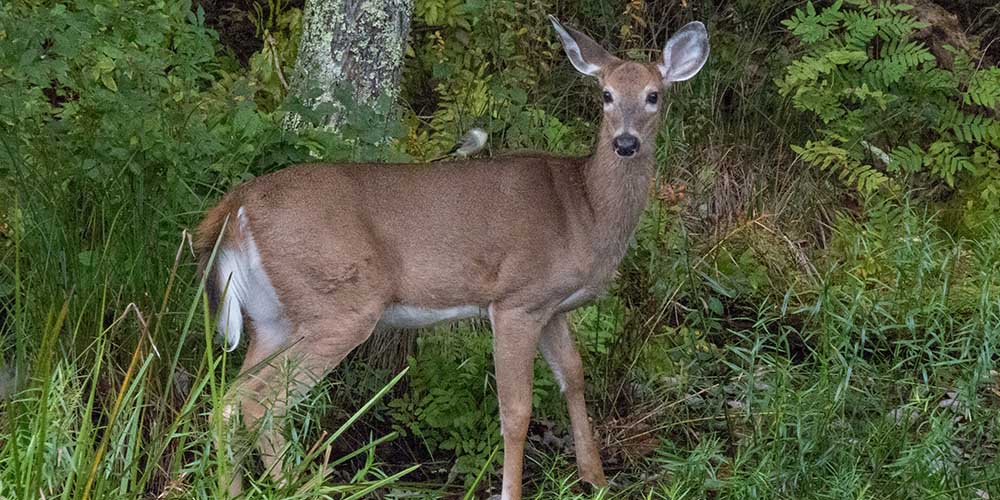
(280, 29)
(452, 402)
(452, 405)
(890, 114)
(132, 119)
(479, 62)
(117, 126)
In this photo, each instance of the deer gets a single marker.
(313, 258)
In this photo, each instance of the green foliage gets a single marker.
(452, 403)
(118, 125)
(478, 63)
(884, 362)
(984, 88)
(107, 116)
(280, 29)
(739, 373)
(900, 263)
(85, 431)
(868, 82)
(839, 160)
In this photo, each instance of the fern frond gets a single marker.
(882, 72)
(864, 94)
(909, 53)
(932, 79)
(898, 26)
(970, 128)
(861, 69)
(819, 100)
(909, 159)
(811, 27)
(984, 89)
(986, 159)
(828, 157)
(809, 69)
(860, 28)
(896, 60)
(885, 215)
(947, 160)
(862, 6)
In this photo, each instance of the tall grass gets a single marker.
(878, 380)
(84, 426)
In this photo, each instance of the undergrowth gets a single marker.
(864, 74)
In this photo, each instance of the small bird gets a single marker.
(471, 143)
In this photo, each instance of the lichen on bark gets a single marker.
(350, 44)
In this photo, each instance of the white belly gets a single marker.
(404, 316)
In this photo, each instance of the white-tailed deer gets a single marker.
(318, 256)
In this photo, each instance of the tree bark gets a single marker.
(350, 44)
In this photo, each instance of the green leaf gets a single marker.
(715, 305)
(108, 79)
(87, 258)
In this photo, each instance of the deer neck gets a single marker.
(617, 190)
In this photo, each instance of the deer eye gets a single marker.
(607, 97)
(652, 98)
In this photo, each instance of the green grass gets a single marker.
(83, 426)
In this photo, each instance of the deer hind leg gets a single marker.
(266, 340)
(560, 352)
(277, 375)
(515, 341)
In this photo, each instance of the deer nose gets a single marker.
(626, 145)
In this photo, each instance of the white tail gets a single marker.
(244, 286)
(318, 256)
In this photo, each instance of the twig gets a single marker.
(142, 323)
(271, 44)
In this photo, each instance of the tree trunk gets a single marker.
(355, 46)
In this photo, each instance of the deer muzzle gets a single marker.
(626, 145)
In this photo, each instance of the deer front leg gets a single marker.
(560, 352)
(515, 339)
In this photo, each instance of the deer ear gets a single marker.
(685, 53)
(586, 55)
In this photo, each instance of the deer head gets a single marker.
(632, 92)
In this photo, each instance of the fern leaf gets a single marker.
(898, 26)
(909, 159)
(811, 27)
(970, 128)
(828, 157)
(984, 89)
(947, 160)
(861, 28)
(861, 66)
